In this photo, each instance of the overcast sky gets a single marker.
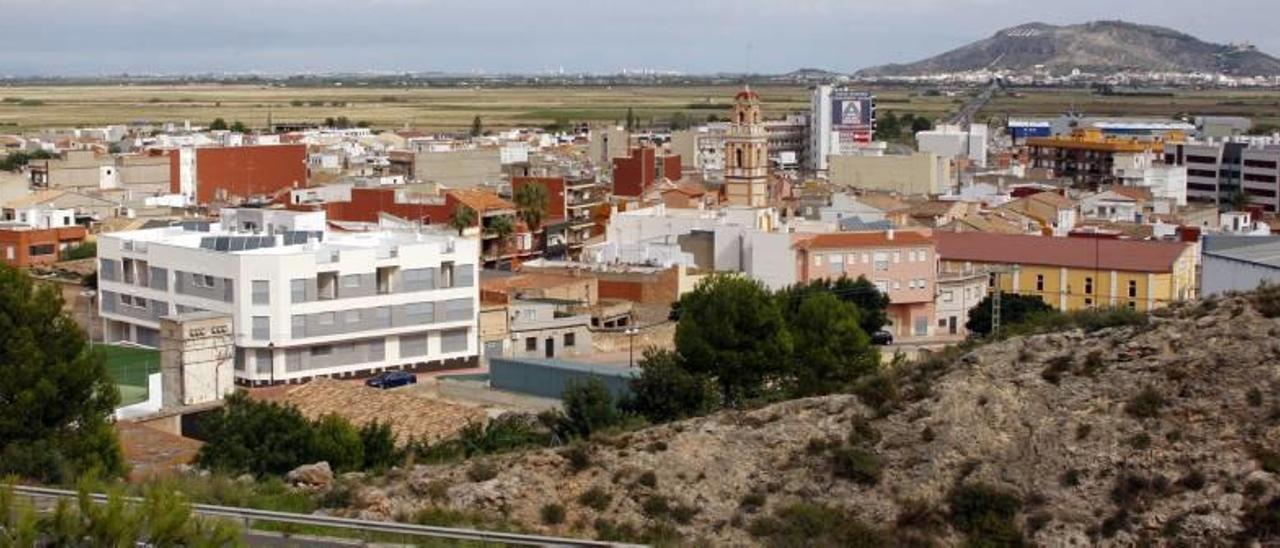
(184, 36)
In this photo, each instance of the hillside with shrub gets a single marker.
(1105, 427)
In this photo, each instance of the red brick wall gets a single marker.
(633, 175)
(244, 171)
(555, 193)
(22, 240)
(671, 167)
(367, 202)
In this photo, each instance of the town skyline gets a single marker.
(389, 36)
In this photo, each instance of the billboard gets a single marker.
(853, 116)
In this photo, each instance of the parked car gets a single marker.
(392, 379)
(882, 338)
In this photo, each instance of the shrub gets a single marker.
(1254, 397)
(648, 479)
(807, 524)
(1269, 460)
(878, 391)
(1262, 522)
(1115, 523)
(1083, 430)
(578, 456)
(481, 471)
(1140, 441)
(1130, 489)
(862, 433)
(1267, 300)
(551, 514)
(985, 514)
(595, 498)
(1255, 489)
(856, 464)
(927, 435)
(337, 442)
(1096, 319)
(589, 407)
(656, 507)
(1146, 404)
(1093, 363)
(752, 501)
(1070, 478)
(1194, 480)
(610, 531)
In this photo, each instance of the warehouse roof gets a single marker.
(1090, 253)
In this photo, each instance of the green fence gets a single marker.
(130, 366)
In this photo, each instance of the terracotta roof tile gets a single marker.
(1091, 253)
(480, 199)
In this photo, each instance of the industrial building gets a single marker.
(305, 301)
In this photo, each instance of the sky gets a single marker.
(102, 37)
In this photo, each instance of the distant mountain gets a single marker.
(1102, 46)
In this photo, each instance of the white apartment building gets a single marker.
(953, 141)
(1166, 181)
(305, 301)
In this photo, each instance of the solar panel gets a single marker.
(223, 243)
(238, 244)
(207, 243)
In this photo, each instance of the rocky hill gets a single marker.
(1163, 432)
(1102, 46)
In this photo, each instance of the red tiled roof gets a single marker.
(839, 240)
(1090, 253)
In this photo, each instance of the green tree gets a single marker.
(337, 442)
(920, 123)
(218, 124)
(589, 407)
(18, 158)
(463, 218)
(871, 303)
(56, 398)
(379, 443)
(831, 349)
(631, 119)
(502, 228)
(1014, 309)
(262, 438)
(477, 127)
(239, 127)
(532, 202)
(666, 391)
(888, 127)
(679, 121)
(732, 330)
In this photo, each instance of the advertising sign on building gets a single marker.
(853, 116)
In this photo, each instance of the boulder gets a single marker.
(313, 475)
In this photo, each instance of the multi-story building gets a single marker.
(1087, 155)
(208, 174)
(841, 121)
(746, 145)
(305, 301)
(788, 141)
(37, 235)
(571, 212)
(1074, 273)
(1217, 170)
(901, 264)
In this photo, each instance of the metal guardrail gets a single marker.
(250, 515)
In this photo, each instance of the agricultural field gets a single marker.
(1262, 106)
(453, 108)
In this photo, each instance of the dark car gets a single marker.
(392, 379)
(882, 338)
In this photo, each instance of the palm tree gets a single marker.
(531, 204)
(503, 228)
(463, 218)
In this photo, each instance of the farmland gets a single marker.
(1262, 106)
(444, 108)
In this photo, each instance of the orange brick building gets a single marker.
(23, 246)
(221, 173)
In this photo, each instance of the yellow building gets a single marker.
(1077, 273)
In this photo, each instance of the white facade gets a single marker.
(41, 217)
(308, 302)
(951, 141)
(1166, 181)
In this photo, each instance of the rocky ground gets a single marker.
(1160, 432)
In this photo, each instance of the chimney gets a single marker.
(888, 234)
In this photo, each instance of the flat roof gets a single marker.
(178, 236)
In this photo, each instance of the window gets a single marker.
(419, 313)
(261, 328)
(1133, 289)
(298, 326)
(882, 261)
(947, 296)
(817, 259)
(202, 280)
(1133, 305)
(298, 290)
(897, 257)
(323, 350)
(897, 284)
(325, 318)
(1039, 282)
(261, 292)
(8, 252)
(530, 344)
(351, 281)
(262, 357)
(922, 255)
(352, 316)
(446, 275)
(44, 249)
(569, 339)
(866, 258)
(1088, 286)
(454, 340)
(1088, 302)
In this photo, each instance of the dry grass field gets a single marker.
(24, 108)
(1262, 106)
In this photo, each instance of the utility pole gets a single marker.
(995, 304)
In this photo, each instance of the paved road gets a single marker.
(964, 116)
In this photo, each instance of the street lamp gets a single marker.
(631, 339)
